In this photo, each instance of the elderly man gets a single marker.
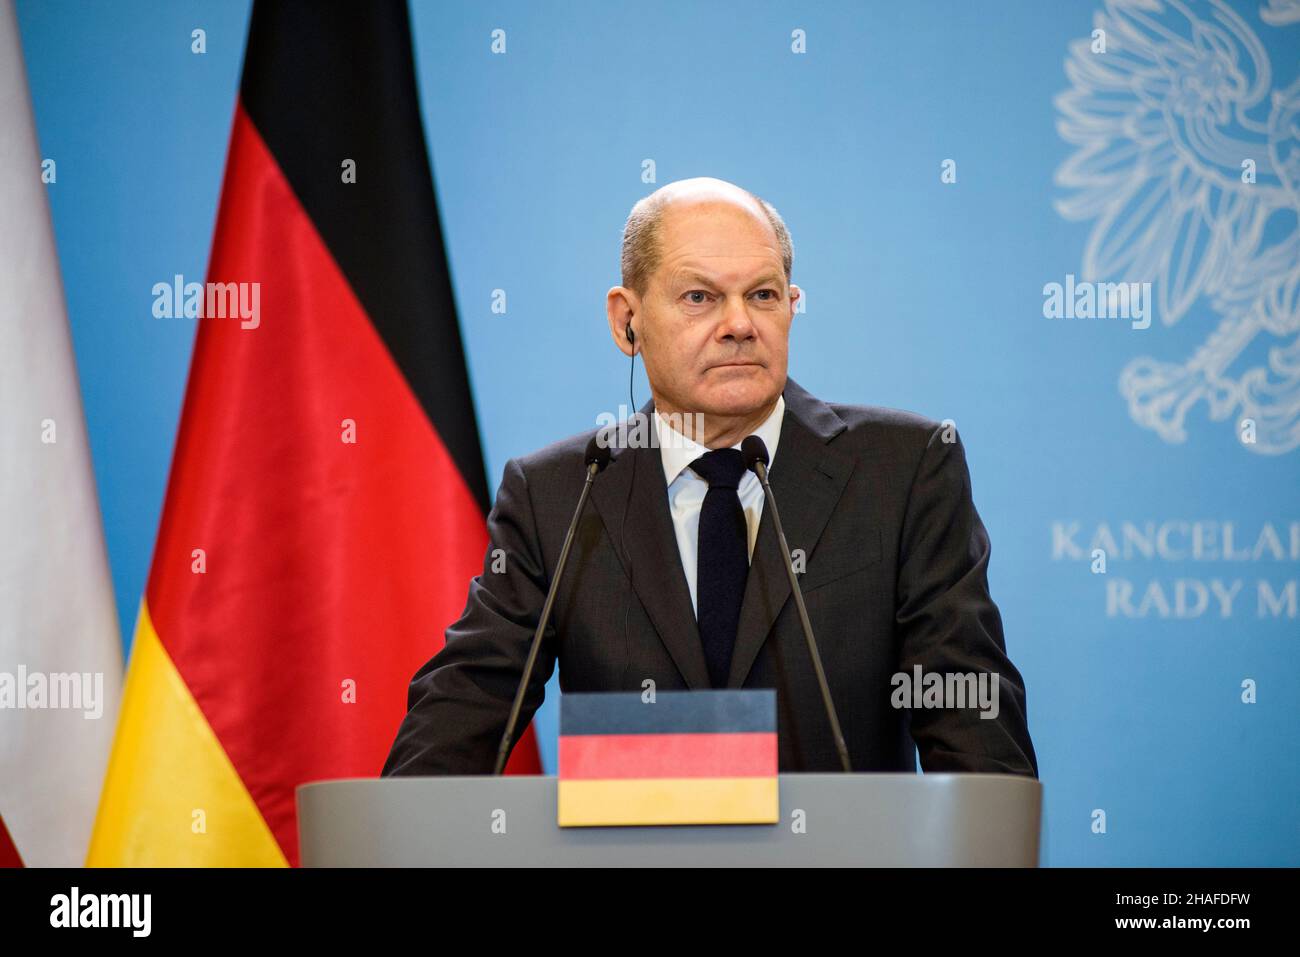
(676, 576)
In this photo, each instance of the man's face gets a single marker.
(714, 323)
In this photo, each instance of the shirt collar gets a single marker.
(677, 451)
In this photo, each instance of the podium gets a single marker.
(856, 820)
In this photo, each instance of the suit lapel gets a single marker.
(631, 496)
(807, 479)
(633, 485)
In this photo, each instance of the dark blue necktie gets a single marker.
(722, 562)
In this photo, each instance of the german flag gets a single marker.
(686, 757)
(9, 856)
(327, 501)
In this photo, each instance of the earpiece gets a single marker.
(631, 369)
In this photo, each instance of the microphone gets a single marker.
(756, 459)
(597, 457)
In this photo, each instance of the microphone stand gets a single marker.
(597, 459)
(756, 458)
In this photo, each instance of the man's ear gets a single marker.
(795, 294)
(621, 308)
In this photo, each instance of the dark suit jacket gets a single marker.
(896, 576)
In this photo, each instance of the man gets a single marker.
(675, 576)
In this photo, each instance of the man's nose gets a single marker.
(735, 323)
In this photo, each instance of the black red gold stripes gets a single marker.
(698, 757)
(325, 511)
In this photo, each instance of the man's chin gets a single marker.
(743, 395)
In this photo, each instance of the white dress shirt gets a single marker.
(686, 490)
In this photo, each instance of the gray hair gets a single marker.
(641, 251)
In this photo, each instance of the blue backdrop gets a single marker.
(939, 165)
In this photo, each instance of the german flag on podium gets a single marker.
(685, 757)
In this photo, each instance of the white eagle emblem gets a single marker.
(1188, 160)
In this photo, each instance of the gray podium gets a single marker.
(872, 820)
